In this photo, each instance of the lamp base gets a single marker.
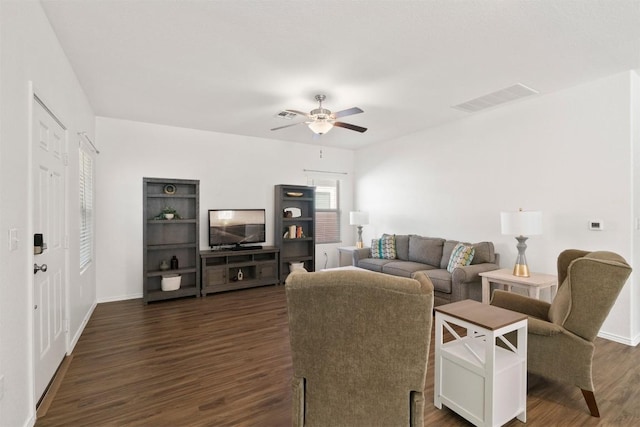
(359, 242)
(521, 270)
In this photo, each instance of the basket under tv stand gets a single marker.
(221, 268)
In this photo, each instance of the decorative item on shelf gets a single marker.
(292, 212)
(240, 274)
(168, 213)
(174, 263)
(359, 219)
(170, 282)
(521, 224)
(294, 194)
(292, 231)
(299, 233)
(164, 265)
(169, 189)
(296, 266)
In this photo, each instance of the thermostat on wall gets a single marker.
(596, 224)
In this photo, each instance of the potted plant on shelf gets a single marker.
(168, 213)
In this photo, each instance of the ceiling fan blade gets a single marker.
(350, 126)
(288, 126)
(347, 112)
(302, 113)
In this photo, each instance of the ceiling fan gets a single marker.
(321, 120)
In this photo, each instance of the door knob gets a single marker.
(37, 268)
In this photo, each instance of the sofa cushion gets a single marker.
(404, 268)
(461, 256)
(485, 252)
(384, 247)
(402, 247)
(373, 264)
(426, 250)
(441, 279)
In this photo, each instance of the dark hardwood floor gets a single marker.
(224, 360)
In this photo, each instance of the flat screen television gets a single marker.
(236, 227)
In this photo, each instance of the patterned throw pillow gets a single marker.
(460, 256)
(384, 248)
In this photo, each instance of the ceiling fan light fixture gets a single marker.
(321, 120)
(320, 126)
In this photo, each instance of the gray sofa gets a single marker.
(431, 255)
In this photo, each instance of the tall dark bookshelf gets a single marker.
(165, 238)
(299, 199)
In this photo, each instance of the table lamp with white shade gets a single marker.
(521, 224)
(359, 218)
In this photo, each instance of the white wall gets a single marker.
(234, 172)
(29, 51)
(566, 154)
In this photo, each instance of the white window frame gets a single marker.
(86, 187)
(329, 231)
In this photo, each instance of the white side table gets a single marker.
(505, 277)
(345, 256)
(484, 383)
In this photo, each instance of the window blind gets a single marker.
(86, 209)
(327, 210)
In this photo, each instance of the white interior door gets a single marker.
(48, 165)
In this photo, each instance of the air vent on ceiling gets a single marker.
(286, 115)
(501, 96)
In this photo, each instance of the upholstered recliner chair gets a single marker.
(561, 334)
(360, 346)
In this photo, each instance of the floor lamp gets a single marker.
(359, 218)
(521, 224)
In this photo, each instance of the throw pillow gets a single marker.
(462, 255)
(384, 248)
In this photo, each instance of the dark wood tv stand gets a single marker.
(220, 269)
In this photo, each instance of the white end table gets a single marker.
(484, 383)
(345, 255)
(531, 284)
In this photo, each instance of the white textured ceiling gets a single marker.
(231, 65)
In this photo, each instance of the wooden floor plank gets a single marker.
(225, 360)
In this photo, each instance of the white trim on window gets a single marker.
(86, 209)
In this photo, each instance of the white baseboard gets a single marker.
(31, 421)
(76, 337)
(620, 339)
(119, 298)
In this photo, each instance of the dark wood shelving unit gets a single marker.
(164, 238)
(298, 249)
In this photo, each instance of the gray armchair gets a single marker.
(561, 334)
(360, 346)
